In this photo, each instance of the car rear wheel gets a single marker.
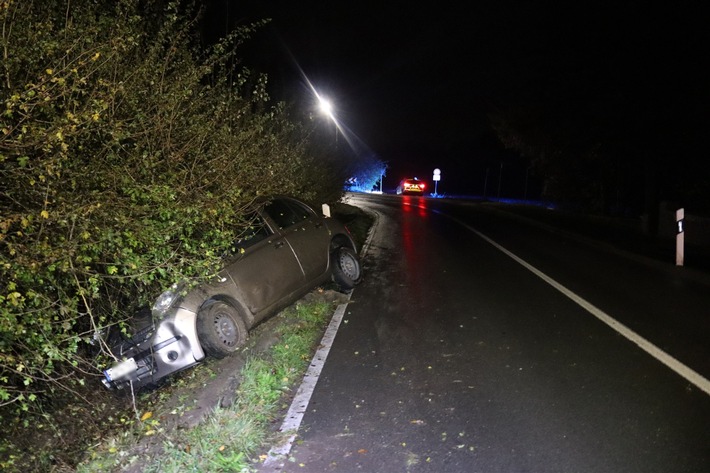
(220, 329)
(346, 268)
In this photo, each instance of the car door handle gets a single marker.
(319, 224)
(278, 244)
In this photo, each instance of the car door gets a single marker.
(265, 268)
(306, 233)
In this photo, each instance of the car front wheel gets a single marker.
(220, 329)
(346, 268)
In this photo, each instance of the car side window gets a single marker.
(254, 231)
(302, 212)
(282, 213)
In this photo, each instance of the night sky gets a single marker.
(416, 83)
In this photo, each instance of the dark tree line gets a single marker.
(612, 111)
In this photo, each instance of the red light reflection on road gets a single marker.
(419, 204)
(415, 211)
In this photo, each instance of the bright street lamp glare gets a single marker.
(325, 106)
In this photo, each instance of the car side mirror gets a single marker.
(326, 210)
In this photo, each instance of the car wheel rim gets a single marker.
(226, 329)
(348, 266)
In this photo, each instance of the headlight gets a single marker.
(165, 301)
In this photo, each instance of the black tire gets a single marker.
(220, 329)
(346, 268)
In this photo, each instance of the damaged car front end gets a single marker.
(165, 341)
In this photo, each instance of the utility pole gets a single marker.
(500, 177)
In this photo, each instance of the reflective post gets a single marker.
(679, 237)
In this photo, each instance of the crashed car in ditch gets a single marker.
(289, 251)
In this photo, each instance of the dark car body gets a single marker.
(289, 251)
(411, 186)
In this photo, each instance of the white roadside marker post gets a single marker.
(679, 237)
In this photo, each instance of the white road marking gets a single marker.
(277, 455)
(689, 374)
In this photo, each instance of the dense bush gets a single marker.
(127, 156)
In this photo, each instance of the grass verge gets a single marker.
(230, 439)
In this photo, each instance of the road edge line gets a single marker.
(278, 454)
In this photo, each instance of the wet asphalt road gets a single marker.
(454, 357)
